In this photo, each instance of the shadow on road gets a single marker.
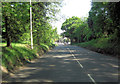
(101, 67)
(59, 65)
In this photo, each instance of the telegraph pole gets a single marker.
(31, 26)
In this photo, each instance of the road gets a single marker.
(66, 63)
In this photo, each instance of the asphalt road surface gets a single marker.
(66, 63)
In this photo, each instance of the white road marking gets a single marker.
(92, 79)
(77, 61)
(75, 58)
(82, 66)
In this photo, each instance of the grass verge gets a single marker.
(102, 45)
(19, 55)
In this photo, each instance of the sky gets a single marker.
(79, 8)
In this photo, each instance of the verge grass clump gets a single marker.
(44, 47)
(20, 54)
(102, 45)
(16, 56)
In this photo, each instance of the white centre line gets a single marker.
(92, 79)
(77, 61)
(75, 58)
(81, 66)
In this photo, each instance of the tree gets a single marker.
(74, 28)
(14, 22)
(114, 15)
(104, 20)
(42, 13)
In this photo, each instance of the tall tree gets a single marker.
(104, 19)
(14, 22)
(73, 28)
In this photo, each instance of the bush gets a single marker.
(44, 47)
(102, 45)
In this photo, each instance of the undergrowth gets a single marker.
(20, 54)
(102, 45)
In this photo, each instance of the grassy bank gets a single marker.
(102, 45)
(20, 54)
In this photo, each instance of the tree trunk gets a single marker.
(7, 32)
(71, 40)
(78, 39)
(8, 41)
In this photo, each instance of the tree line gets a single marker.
(16, 22)
(103, 22)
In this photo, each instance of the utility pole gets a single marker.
(31, 26)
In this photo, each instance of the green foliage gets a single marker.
(42, 29)
(101, 23)
(97, 43)
(44, 47)
(104, 19)
(21, 54)
(16, 22)
(25, 38)
(16, 29)
(16, 56)
(102, 45)
(100, 31)
(76, 29)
